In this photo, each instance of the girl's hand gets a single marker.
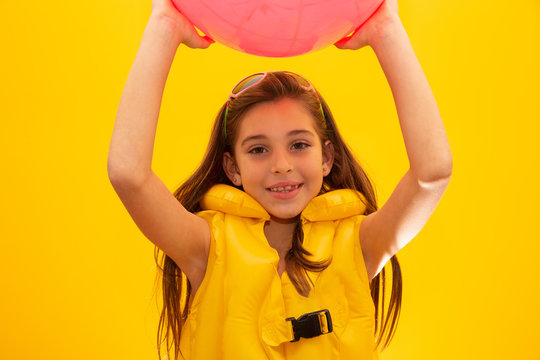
(367, 34)
(164, 11)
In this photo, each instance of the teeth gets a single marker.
(284, 189)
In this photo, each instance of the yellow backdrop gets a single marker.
(76, 274)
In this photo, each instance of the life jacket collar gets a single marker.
(330, 206)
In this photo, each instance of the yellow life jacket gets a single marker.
(241, 308)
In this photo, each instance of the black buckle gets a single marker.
(311, 324)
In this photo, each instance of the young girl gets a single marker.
(277, 232)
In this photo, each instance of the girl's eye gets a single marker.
(299, 145)
(257, 150)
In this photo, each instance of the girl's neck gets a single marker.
(279, 234)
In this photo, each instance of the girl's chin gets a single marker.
(284, 219)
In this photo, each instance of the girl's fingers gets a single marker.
(164, 10)
(195, 41)
(207, 41)
(353, 42)
(343, 43)
(384, 16)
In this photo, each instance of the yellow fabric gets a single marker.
(239, 310)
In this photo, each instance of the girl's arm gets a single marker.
(132, 142)
(416, 196)
(183, 236)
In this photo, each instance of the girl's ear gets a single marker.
(229, 165)
(328, 157)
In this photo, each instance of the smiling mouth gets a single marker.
(284, 189)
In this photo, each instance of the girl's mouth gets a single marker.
(285, 192)
(284, 189)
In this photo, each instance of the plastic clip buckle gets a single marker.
(311, 324)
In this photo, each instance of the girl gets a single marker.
(277, 232)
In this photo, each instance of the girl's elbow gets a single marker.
(441, 175)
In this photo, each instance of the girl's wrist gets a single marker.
(388, 30)
(166, 26)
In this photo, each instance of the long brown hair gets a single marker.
(346, 174)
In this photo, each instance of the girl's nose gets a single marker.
(281, 162)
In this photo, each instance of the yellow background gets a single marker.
(76, 274)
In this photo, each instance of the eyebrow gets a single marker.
(290, 133)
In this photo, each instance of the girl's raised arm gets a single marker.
(132, 143)
(384, 232)
(183, 236)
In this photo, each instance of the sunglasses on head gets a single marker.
(254, 80)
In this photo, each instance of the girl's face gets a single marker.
(279, 158)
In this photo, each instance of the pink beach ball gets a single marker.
(277, 28)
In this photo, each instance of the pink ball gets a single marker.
(277, 28)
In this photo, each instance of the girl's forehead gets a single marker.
(275, 118)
